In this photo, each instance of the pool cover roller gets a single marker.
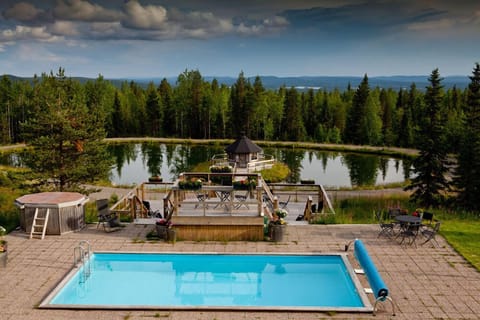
(379, 288)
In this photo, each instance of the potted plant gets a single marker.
(3, 246)
(247, 184)
(162, 226)
(278, 224)
(193, 184)
(218, 178)
(156, 178)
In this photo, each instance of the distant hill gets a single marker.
(333, 82)
(303, 83)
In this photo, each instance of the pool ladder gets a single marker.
(81, 256)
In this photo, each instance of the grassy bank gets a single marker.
(390, 151)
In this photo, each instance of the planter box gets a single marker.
(161, 231)
(277, 231)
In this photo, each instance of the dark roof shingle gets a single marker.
(243, 145)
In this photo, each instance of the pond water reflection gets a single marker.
(135, 163)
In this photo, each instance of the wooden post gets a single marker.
(259, 200)
(175, 201)
(275, 203)
(132, 207)
(307, 214)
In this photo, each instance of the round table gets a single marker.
(408, 219)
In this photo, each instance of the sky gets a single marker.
(163, 38)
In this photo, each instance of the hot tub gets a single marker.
(67, 211)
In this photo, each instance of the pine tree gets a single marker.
(117, 128)
(468, 170)
(406, 130)
(67, 139)
(292, 123)
(431, 166)
(356, 114)
(240, 106)
(154, 112)
(169, 124)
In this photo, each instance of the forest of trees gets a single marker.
(438, 122)
(197, 109)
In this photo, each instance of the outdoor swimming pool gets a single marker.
(213, 281)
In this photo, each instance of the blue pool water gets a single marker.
(137, 280)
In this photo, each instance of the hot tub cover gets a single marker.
(51, 199)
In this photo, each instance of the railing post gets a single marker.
(307, 215)
(132, 208)
(320, 200)
(275, 203)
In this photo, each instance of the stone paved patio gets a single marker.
(425, 282)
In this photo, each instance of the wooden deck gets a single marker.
(220, 212)
(217, 219)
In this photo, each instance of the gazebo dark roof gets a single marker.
(243, 145)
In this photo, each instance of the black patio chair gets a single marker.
(151, 213)
(428, 218)
(409, 232)
(242, 200)
(284, 204)
(202, 198)
(106, 218)
(386, 228)
(430, 232)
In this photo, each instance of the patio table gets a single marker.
(407, 219)
(224, 194)
(409, 227)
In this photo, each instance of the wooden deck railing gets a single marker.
(132, 203)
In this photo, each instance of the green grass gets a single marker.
(464, 236)
(277, 173)
(361, 210)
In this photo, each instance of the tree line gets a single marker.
(198, 109)
(436, 121)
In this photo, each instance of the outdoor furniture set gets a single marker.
(226, 197)
(406, 229)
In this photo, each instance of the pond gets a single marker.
(136, 162)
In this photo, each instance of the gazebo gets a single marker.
(243, 151)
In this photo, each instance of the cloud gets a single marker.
(27, 13)
(82, 19)
(433, 25)
(80, 10)
(148, 17)
(22, 11)
(64, 28)
(28, 33)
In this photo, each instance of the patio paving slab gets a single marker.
(427, 282)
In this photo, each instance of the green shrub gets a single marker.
(278, 173)
(91, 212)
(361, 209)
(9, 213)
(324, 218)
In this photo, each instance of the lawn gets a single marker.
(464, 236)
